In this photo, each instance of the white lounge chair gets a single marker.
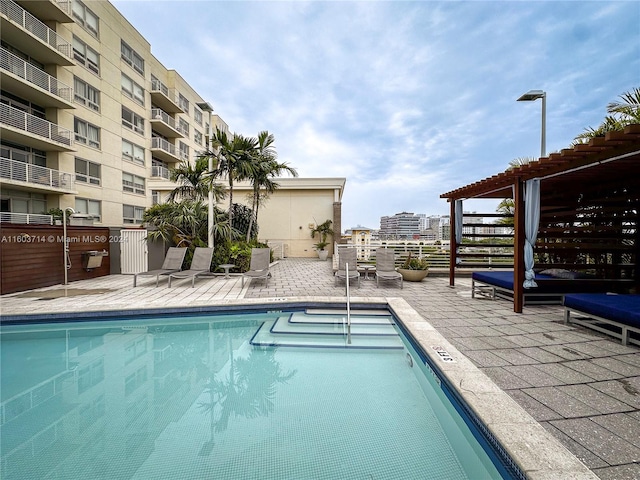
(201, 264)
(172, 263)
(386, 266)
(346, 256)
(259, 265)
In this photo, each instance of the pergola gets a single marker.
(587, 209)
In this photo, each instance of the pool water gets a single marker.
(227, 396)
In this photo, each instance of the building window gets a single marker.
(184, 151)
(132, 183)
(132, 214)
(133, 121)
(86, 94)
(85, 17)
(183, 103)
(86, 133)
(20, 153)
(86, 56)
(183, 126)
(132, 90)
(132, 58)
(197, 137)
(90, 207)
(197, 116)
(132, 152)
(87, 172)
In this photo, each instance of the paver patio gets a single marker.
(583, 387)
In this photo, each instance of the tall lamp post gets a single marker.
(531, 96)
(205, 107)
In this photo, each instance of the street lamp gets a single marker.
(205, 107)
(531, 96)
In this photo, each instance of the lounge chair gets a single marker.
(553, 285)
(200, 265)
(346, 256)
(259, 265)
(613, 314)
(386, 266)
(172, 263)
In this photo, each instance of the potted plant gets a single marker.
(323, 230)
(414, 269)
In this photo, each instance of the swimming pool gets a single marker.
(258, 394)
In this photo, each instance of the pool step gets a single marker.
(284, 333)
(370, 317)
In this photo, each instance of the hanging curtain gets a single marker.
(458, 231)
(531, 223)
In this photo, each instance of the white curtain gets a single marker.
(531, 223)
(458, 226)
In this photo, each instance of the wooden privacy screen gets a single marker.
(31, 256)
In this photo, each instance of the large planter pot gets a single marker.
(413, 275)
(323, 254)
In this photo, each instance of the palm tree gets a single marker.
(194, 182)
(265, 169)
(622, 113)
(520, 161)
(184, 223)
(234, 160)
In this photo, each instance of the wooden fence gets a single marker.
(32, 256)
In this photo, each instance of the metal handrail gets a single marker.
(346, 266)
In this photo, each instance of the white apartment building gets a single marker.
(90, 118)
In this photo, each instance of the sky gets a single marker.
(407, 100)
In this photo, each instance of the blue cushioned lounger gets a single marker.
(500, 284)
(615, 315)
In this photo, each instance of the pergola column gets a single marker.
(518, 245)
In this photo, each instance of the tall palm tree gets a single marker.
(194, 182)
(265, 169)
(234, 160)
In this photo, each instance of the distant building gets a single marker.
(402, 225)
(361, 237)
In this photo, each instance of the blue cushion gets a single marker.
(502, 279)
(619, 308)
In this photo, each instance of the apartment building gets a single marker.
(403, 225)
(90, 118)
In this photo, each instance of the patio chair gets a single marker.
(259, 265)
(172, 263)
(347, 256)
(386, 266)
(200, 265)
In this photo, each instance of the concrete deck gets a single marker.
(581, 387)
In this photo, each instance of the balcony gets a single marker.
(28, 81)
(160, 172)
(26, 218)
(163, 150)
(54, 10)
(165, 125)
(35, 177)
(19, 27)
(24, 128)
(164, 97)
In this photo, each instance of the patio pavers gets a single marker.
(581, 386)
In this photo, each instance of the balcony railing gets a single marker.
(26, 122)
(35, 174)
(162, 144)
(158, 171)
(19, 15)
(26, 218)
(159, 114)
(16, 65)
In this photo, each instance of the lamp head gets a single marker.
(531, 95)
